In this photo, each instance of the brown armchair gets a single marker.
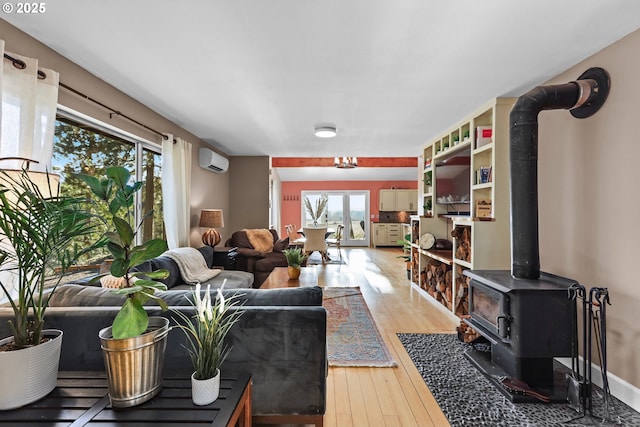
(260, 260)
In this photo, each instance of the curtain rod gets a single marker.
(41, 75)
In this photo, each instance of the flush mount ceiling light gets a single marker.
(346, 163)
(326, 132)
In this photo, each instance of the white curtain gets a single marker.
(29, 103)
(176, 190)
(27, 124)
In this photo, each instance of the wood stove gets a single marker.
(527, 323)
(526, 315)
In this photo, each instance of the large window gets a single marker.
(84, 147)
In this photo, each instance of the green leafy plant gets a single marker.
(295, 257)
(427, 205)
(40, 234)
(427, 178)
(115, 191)
(207, 329)
(406, 247)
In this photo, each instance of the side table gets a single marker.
(225, 257)
(82, 397)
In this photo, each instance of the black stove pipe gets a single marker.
(584, 97)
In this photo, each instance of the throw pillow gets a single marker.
(112, 282)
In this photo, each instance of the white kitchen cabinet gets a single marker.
(406, 200)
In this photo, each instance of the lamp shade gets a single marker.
(47, 184)
(211, 218)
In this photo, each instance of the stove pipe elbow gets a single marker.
(584, 97)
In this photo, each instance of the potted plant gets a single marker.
(428, 204)
(295, 259)
(206, 331)
(428, 182)
(41, 231)
(132, 331)
(321, 206)
(406, 248)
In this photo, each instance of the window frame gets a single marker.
(139, 143)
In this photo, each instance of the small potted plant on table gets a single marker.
(206, 331)
(295, 259)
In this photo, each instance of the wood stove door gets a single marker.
(490, 308)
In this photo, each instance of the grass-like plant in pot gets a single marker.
(40, 231)
(206, 331)
(132, 329)
(295, 258)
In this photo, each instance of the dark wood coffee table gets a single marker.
(82, 397)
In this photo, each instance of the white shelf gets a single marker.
(462, 263)
(484, 148)
(452, 150)
(481, 186)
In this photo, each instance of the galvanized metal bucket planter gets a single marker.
(134, 365)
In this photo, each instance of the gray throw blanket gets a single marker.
(192, 265)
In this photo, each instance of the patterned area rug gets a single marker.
(467, 398)
(352, 336)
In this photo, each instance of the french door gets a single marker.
(350, 208)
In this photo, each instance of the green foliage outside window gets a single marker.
(79, 149)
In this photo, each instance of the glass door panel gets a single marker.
(357, 227)
(350, 208)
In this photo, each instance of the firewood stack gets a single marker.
(437, 277)
(462, 234)
(462, 292)
(465, 332)
(415, 268)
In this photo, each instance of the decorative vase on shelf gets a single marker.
(294, 272)
(204, 392)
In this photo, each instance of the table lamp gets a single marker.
(212, 219)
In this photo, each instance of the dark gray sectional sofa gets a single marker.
(280, 339)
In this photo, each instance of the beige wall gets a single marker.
(590, 198)
(248, 192)
(208, 190)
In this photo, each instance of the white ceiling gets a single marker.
(253, 77)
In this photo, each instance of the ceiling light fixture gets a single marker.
(346, 163)
(326, 132)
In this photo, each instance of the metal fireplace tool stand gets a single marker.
(594, 322)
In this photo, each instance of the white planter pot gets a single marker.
(134, 365)
(204, 392)
(31, 373)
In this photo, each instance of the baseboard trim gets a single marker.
(622, 390)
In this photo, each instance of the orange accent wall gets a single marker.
(292, 199)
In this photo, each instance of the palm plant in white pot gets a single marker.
(39, 235)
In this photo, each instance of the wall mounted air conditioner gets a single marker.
(213, 161)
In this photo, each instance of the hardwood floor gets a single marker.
(398, 396)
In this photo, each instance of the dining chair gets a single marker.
(295, 241)
(314, 241)
(336, 240)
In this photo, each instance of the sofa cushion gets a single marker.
(281, 245)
